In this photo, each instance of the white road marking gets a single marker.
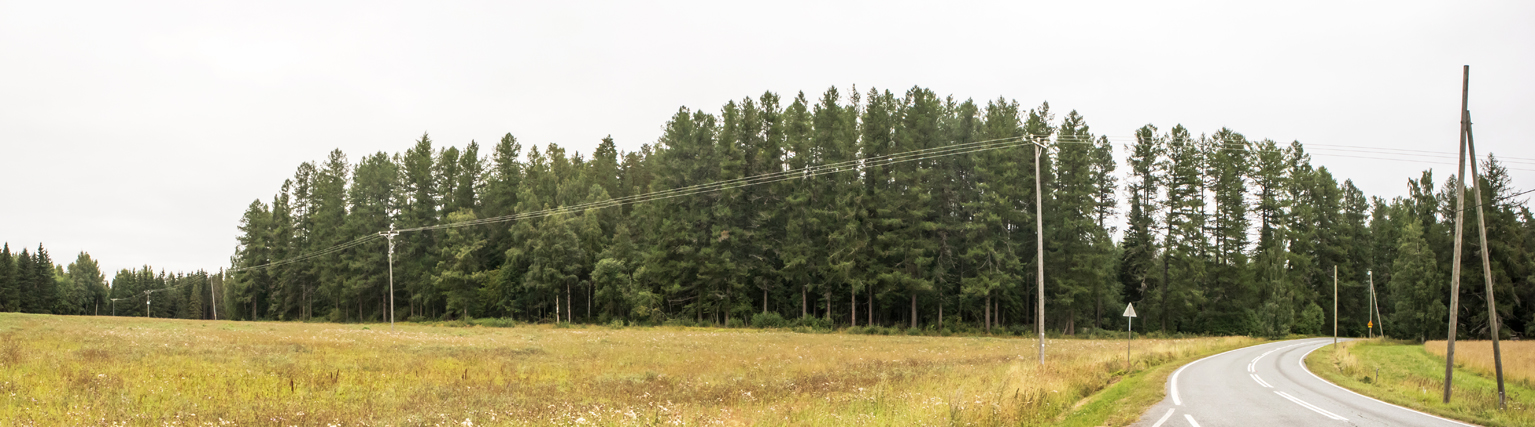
(1252, 366)
(1164, 417)
(1310, 406)
(1260, 381)
(1172, 384)
(1323, 381)
(1191, 420)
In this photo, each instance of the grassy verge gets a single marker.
(1407, 375)
(1123, 403)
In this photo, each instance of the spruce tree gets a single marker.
(459, 275)
(1416, 288)
(10, 288)
(253, 280)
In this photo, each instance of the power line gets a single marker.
(806, 173)
(801, 173)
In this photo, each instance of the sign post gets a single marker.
(1130, 335)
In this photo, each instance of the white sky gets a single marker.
(139, 131)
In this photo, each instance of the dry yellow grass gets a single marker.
(1518, 358)
(132, 371)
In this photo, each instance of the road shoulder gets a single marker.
(1125, 402)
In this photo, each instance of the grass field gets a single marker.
(1476, 356)
(57, 370)
(1411, 377)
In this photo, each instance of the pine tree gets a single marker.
(329, 226)
(991, 257)
(843, 208)
(299, 278)
(1186, 220)
(804, 245)
(1078, 244)
(1139, 245)
(286, 297)
(1230, 290)
(418, 208)
(371, 210)
(1270, 177)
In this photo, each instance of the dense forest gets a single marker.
(909, 210)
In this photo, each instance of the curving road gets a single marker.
(1266, 385)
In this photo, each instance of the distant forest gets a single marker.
(910, 211)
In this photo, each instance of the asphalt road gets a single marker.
(1266, 385)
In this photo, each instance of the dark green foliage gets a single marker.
(10, 285)
(768, 319)
(1222, 234)
(1415, 288)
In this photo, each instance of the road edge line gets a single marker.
(1172, 381)
(1325, 381)
(1164, 418)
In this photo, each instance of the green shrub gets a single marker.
(814, 322)
(735, 322)
(504, 322)
(616, 324)
(679, 321)
(768, 320)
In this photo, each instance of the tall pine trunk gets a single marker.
(987, 322)
(827, 297)
(852, 306)
(913, 309)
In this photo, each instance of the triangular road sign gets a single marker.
(1129, 310)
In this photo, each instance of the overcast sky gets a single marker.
(140, 131)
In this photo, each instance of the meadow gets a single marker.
(1408, 374)
(1476, 356)
(62, 370)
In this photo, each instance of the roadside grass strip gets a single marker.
(1404, 374)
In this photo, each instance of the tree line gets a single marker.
(1222, 234)
(31, 283)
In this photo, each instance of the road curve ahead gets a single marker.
(1266, 385)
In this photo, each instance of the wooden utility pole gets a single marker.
(389, 235)
(1375, 305)
(1481, 223)
(1039, 235)
(1335, 306)
(1460, 216)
